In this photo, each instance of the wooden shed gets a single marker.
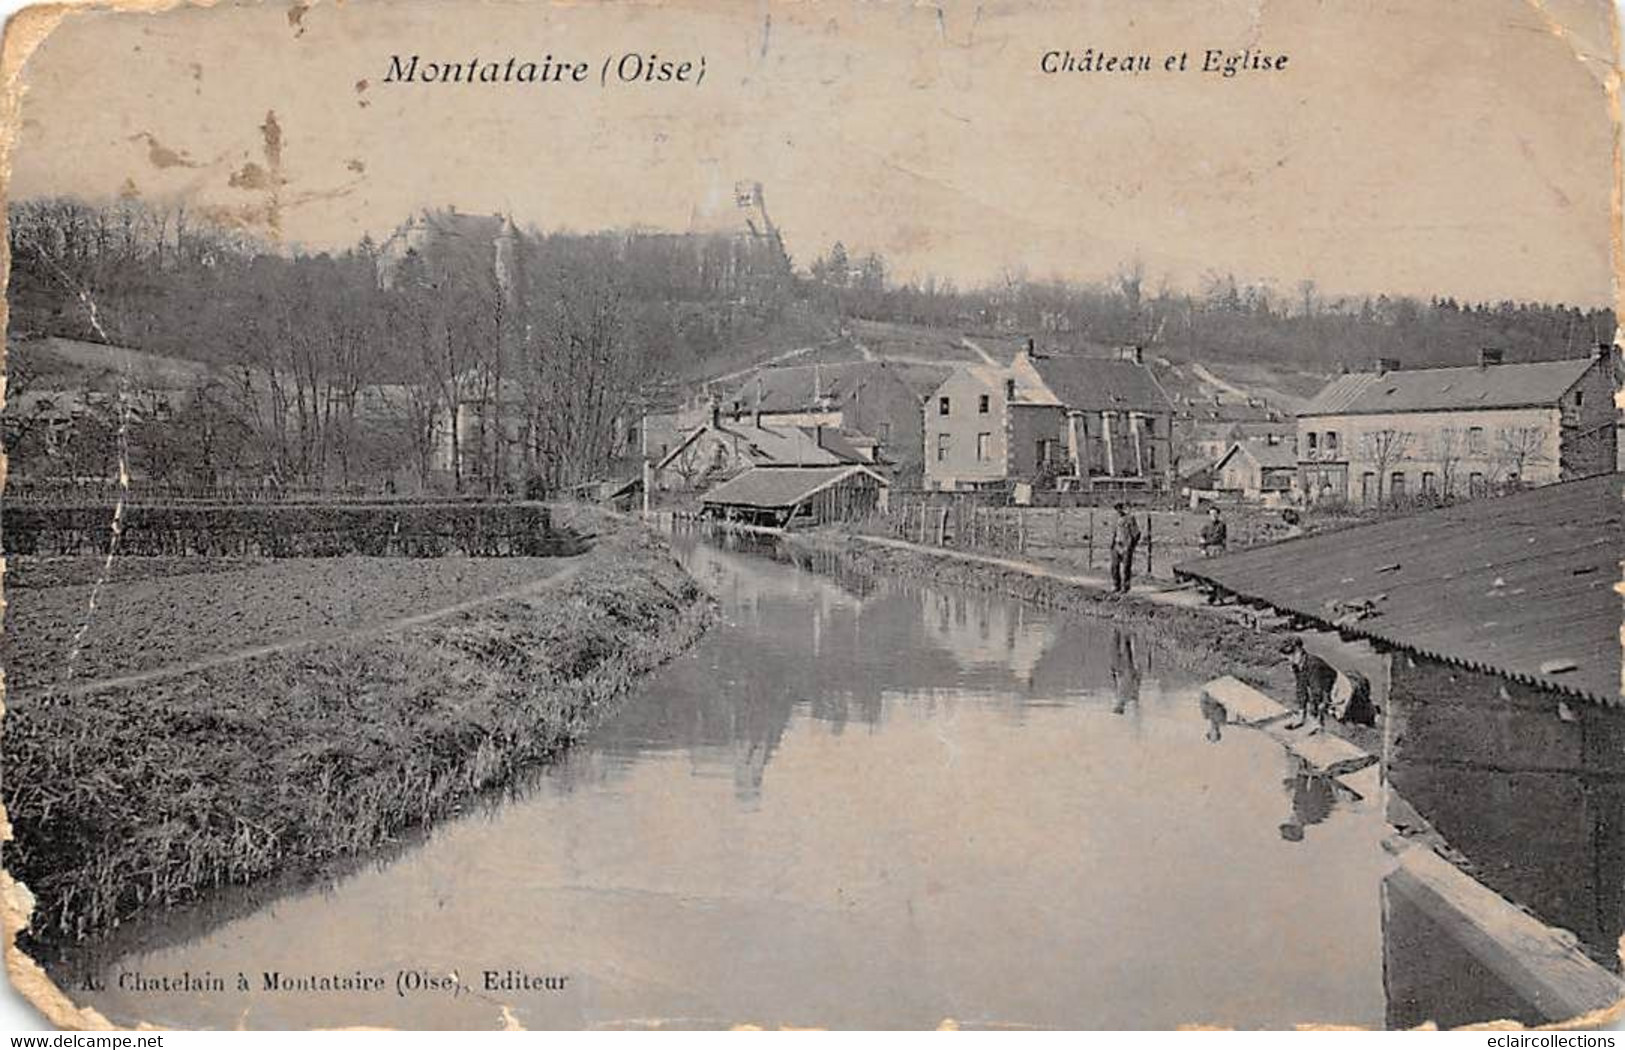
(785, 496)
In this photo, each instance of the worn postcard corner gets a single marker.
(821, 515)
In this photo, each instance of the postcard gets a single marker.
(831, 514)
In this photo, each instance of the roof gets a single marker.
(1266, 455)
(782, 446)
(782, 486)
(1101, 384)
(799, 388)
(1509, 585)
(1440, 389)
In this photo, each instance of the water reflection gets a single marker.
(1312, 795)
(858, 804)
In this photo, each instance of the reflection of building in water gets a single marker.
(981, 632)
(1503, 725)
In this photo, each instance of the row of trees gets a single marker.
(462, 349)
(1224, 318)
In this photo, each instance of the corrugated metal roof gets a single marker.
(1508, 585)
(1096, 384)
(1437, 389)
(780, 486)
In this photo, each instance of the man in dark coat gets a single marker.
(1125, 538)
(1215, 534)
(1314, 679)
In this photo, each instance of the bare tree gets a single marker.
(1447, 451)
(1384, 449)
(1517, 449)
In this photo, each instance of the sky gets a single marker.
(1452, 147)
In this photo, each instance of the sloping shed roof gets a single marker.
(1437, 389)
(770, 487)
(779, 446)
(1100, 384)
(1264, 454)
(1510, 585)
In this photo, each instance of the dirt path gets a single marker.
(252, 652)
(976, 348)
(1159, 593)
(1201, 371)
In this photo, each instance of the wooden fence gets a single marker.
(1075, 537)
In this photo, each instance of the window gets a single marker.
(942, 445)
(984, 447)
(1331, 441)
(942, 406)
(1314, 440)
(1396, 485)
(1046, 450)
(1579, 398)
(1150, 426)
(1475, 484)
(1009, 389)
(983, 404)
(1475, 439)
(1150, 457)
(1368, 487)
(1430, 483)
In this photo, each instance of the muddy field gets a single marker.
(159, 612)
(132, 798)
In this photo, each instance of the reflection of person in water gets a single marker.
(1125, 674)
(1217, 715)
(1312, 798)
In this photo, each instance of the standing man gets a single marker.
(1315, 679)
(1125, 538)
(1215, 534)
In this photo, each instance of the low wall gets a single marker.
(1527, 784)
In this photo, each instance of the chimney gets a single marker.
(716, 413)
(1031, 347)
(1135, 354)
(1490, 356)
(1384, 364)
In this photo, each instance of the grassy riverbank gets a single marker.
(133, 797)
(1196, 638)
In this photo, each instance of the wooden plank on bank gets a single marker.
(1245, 704)
(1540, 964)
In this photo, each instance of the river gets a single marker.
(854, 803)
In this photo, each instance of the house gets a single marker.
(876, 398)
(1069, 421)
(1256, 469)
(1389, 433)
(1504, 728)
(1209, 428)
(723, 448)
(779, 497)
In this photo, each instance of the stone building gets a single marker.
(1068, 421)
(1392, 433)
